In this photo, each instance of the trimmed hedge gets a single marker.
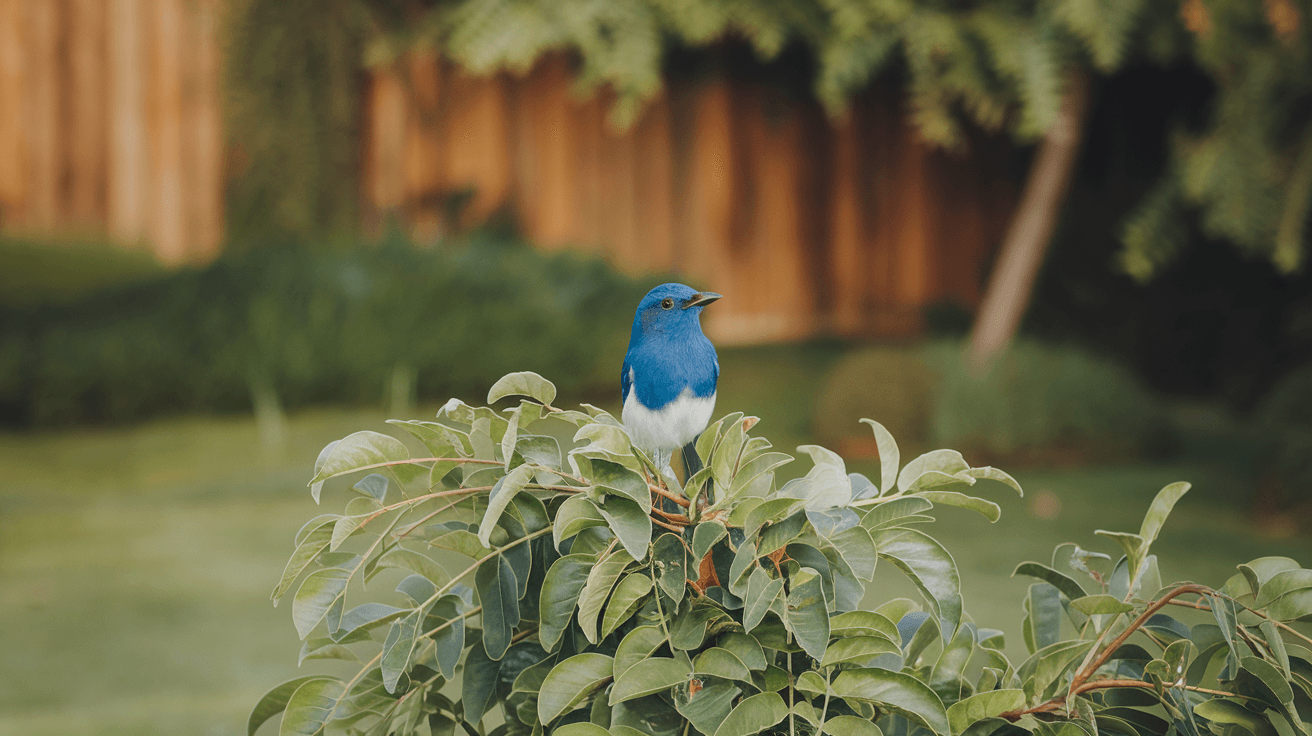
(314, 325)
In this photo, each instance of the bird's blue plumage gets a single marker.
(670, 371)
(667, 350)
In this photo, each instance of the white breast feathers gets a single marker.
(670, 427)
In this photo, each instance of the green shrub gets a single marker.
(1044, 400)
(298, 326)
(57, 272)
(892, 383)
(1285, 420)
(592, 601)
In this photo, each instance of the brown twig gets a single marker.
(1279, 624)
(1134, 626)
(670, 527)
(666, 494)
(1080, 683)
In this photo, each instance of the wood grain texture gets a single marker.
(808, 226)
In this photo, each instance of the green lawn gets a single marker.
(135, 564)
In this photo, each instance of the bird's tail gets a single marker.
(692, 462)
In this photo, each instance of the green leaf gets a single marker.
(890, 512)
(1062, 582)
(374, 485)
(449, 642)
(308, 549)
(653, 675)
(753, 715)
(582, 728)
(498, 591)
(600, 581)
(894, 690)
(704, 536)
(756, 467)
(670, 561)
(357, 451)
(985, 508)
(1044, 604)
(1221, 710)
(762, 592)
(946, 462)
(930, 567)
(311, 706)
(407, 559)
(860, 649)
(324, 648)
(1271, 677)
(851, 726)
(857, 548)
(1048, 664)
(1101, 604)
(275, 702)
(627, 597)
(615, 479)
(746, 648)
(720, 662)
(945, 678)
(636, 646)
(808, 613)
(632, 525)
(708, 708)
(499, 498)
(889, 458)
(1281, 584)
(478, 683)
(724, 459)
(864, 623)
(576, 514)
(315, 596)
(981, 706)
(987, 473)
(570, 681)
(398, 647)
(1134, 546)
(523, 383)
(1159, 510)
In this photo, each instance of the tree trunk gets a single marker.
(1012, 280)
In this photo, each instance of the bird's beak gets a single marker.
(701, 300)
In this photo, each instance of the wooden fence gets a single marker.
(110, 122)
(807, 226)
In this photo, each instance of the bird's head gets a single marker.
(670, 308)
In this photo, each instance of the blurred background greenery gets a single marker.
(414, 202)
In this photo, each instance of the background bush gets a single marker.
(1038, 402)
(299, 325)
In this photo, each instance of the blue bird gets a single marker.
(669, 375)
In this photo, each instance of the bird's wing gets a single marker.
(626, 380)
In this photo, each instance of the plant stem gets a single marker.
(791, 731)
(1087, 671)
(666, 494)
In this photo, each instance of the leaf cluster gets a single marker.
(594, 596)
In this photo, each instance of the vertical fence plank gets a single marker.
(477, 143)
(846, 232)
(128, 159)
(386, 162)
(88, 140)
(41, 28)
(167, 223)
(653, 187)
(203, 130)
(13, 110)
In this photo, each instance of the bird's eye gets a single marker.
(667, 304)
